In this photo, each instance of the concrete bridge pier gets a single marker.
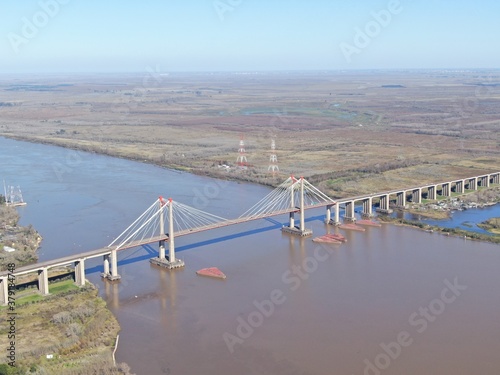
(336, 214)
(105, 272)
(473, 183)
(384, 204)
(111, 266)
(416, 196)
(496, 178)
(485, 181)
(432, 192)
(113, 257)
(80, 272)
(4, 291)
(291, 221)
(161, 249)
(367, 207)
(43, 281)
(460, 187)
(446, 189)
(349, 212)
(401, 199)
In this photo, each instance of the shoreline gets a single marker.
(23, 240)
(433, 213)
(95, 353)
(97, 149)
(491, 225)
(170, 166)
(449, 232)
(116, 343)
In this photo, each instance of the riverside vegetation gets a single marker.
(442, 208)
(70, 332)
(72, 325)
(481, 198)
(491, 225)
(24, 240)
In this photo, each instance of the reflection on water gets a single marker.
(332, 321)
(168, 298)
(112, 294)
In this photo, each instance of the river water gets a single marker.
(392, 300)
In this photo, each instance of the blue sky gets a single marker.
(246, 35)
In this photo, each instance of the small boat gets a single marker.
(211, 272)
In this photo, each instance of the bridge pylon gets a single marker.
(171, 261)
(297, 185)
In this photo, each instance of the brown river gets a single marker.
(392, 300)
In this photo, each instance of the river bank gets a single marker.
(69, 332)
(352, 180)
(445, 206)
(18, 244)
(169, 318)
(455, 232)
(443, 209)
(491, 225)
(176, 164)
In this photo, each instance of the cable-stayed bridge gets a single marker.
(166, 219)
(175, 219)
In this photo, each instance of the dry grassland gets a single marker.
(349, 132)
(75, 328)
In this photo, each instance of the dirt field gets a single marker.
(349, 132)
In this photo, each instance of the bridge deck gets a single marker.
(70, 259)
(107, 250)
(247, 219)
